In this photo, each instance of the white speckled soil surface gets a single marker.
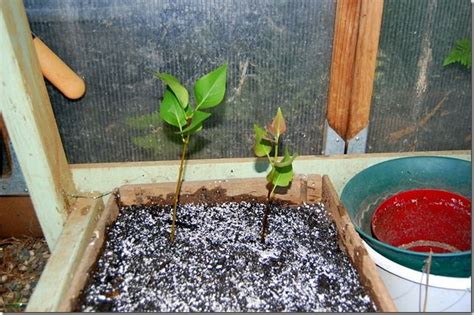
(219, 264)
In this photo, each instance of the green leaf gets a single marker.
(460, 53)
(282, 171)
(281, 176)
(209, 90)
(199, 128)
(286, 160)
(171, 111)
(179, 90)
(196, 123)
(262, 146)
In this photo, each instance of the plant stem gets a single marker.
(277, 139)
(263, 234)
(178, 188)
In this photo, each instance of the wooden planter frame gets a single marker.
(88, 222)
(62, 194)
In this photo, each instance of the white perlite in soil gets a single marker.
(219, 264)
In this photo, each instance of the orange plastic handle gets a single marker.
(59, 73)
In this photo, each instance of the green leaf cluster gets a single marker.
(175, 108)
(461, 52)
(266, 141)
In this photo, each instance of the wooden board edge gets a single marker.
(340, 168)
(356, 250)
(196, 163)
(90, 255)
(304, 189)
(63, 264)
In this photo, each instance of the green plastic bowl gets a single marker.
(369, 188)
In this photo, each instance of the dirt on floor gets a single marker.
(21, 262)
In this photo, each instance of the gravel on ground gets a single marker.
(22, 261)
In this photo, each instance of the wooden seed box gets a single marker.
(80, 243)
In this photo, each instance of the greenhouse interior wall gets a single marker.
(279, 55)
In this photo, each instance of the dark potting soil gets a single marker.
(219, 264)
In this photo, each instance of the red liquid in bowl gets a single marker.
(424, 219)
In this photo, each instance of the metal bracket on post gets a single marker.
(333, 142)
(358, 144)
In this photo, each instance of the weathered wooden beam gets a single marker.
(370, 22)
(346, 30)
(355, 46)
(83, 232)
(29, 118)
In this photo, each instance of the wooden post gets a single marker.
(355, 46)
(29, 118)
(370, 23)
(346, 30)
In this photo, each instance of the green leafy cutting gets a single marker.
(281, 173)
(461, 53)
(176, 111)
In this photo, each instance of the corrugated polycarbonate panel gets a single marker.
(418, 104)
(278, 54)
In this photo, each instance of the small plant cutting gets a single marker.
(176, 110)
(281, 174)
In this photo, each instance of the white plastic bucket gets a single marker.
(407, 288)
